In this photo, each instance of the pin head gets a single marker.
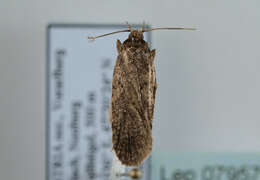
(135, 173)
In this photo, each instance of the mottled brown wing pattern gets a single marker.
(132, 104)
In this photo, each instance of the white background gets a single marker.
(209, 80)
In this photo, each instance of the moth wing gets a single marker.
(132, 139)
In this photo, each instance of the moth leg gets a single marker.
(118, 46)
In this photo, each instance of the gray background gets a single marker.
(208, 95)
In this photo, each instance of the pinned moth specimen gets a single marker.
(133, 97)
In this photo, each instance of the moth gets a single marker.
(133, 97)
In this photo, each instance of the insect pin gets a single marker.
(133, 97)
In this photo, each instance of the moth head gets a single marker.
(136, 35)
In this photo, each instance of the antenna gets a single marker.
(95, 37)
(168, 28)
(143, 30)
